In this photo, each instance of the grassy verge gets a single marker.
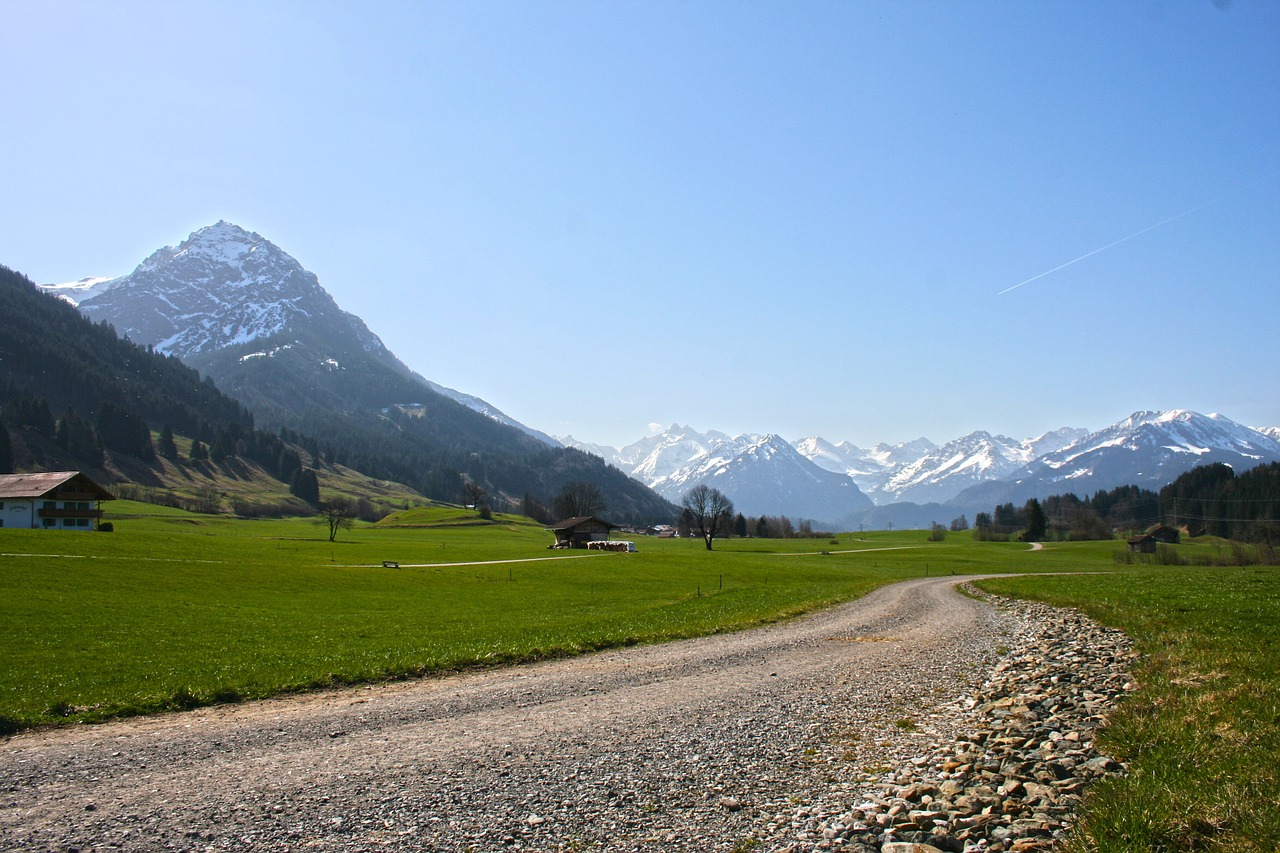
(1202, 735)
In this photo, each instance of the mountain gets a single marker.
(978, 457)
(1148, 449)
(225, 297)
(922, 472)
(870, 469)
(249, 316)
(762, 475)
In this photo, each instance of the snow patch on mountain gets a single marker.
(76, 292)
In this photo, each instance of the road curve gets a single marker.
(655, 747)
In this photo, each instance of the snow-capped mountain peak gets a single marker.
(1176, 431)
(224, 289)
(223, 286)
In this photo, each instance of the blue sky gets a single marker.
(801, 218)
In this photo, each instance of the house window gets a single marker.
(1, 504)
(82, 522)
(50, 504)
(50, 522)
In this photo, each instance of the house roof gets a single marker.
(576, 521)
(38, 485)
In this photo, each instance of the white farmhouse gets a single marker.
(57, 500)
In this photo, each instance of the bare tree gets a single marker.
(580, 499)
(473, 494)
(710, 511)
(336, 513)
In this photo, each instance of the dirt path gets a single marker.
(658, 747)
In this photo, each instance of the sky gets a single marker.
(869, 221)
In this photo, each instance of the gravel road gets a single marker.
(681, 746)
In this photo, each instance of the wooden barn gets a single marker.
(577, 532)
(1142, 544)
(1164, 534)
(56, 500)
(1159, 534)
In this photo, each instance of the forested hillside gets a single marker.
(1214, 500)
(76, 385)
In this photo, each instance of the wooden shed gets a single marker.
(577, 532)
(1142, 544)
(1164, 534)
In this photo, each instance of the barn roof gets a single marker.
(38, 485)
(576, 521)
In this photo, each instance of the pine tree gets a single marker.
(306, 486)
(6, 451)
(1036, 523)
(167, 448)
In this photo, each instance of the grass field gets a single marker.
(177, 610)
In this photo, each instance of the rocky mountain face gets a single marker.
(238, 308)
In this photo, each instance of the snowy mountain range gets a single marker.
(967, 475)
(762, 474)
(228, 290)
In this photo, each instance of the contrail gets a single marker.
(1137, 234)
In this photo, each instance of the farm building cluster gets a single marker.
(587, 531)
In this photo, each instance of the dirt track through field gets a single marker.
(656, 747)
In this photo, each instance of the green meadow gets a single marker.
(175, 610)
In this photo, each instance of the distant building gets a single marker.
(577, 532)
(1159, 534)
(57, 500)
(1164, 534)
(1142, 544)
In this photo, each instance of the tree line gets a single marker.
(1207, 500)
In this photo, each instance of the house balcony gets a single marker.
(69, 513)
